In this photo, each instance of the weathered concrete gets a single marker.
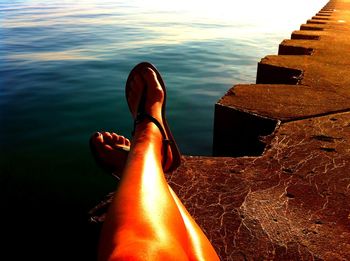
(291, 201)
(308, 78)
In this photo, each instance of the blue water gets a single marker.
(62, 73)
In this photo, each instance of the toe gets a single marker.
(122, 140)
(118, 139)
(108, 137)
(115, 138)
(96, 138)
(107, 147)
(102, 146)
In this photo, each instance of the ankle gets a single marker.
(147, 131)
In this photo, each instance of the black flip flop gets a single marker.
(168, 139)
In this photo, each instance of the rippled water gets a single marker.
(62, 73)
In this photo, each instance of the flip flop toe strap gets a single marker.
(166, 142)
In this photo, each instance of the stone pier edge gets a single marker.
(231, 137)
(280, 188)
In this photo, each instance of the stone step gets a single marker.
(296, 47)
(316, 21)
(249, 112)
(306, 35)
(280, 69)
(321, 18)
(314, 27)
(323, 14)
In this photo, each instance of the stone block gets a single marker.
(295, 47)
(238, 132)
(306, 35)
(271, 72)
(315, 27)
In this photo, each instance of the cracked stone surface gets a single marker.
(292, 203)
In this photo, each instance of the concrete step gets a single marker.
(316, 21)
(296, 47)
(323, 14)
(313, 27)
(306, 35)
(321, 18)
(283, 102)
(259, 108)
(280, 69)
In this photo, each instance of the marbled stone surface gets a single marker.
(292, 203)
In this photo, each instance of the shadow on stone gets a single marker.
(238, 133)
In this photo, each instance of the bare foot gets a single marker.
(153, 105)
(110, 151)
(154, 99)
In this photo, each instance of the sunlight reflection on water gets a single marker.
(167, 22)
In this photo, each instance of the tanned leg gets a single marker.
(143, 221)
(108, 145)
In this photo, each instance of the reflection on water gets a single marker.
(62, 75)
(51, 56)
(158, 22)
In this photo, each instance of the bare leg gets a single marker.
(109, 145)
(143, 222)
(146, 220)
(200, 247)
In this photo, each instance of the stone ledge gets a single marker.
(320, 18)
(281, 200)
(323, 14)
(292, 203)
(316, 21)
(297, 47)
(258, 108)
(308, 78)
(245, 140)
(314, 27)
(326, 11)
(278, 73)
(306, 35)
(283, 102)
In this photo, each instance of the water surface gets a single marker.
(62, 76)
